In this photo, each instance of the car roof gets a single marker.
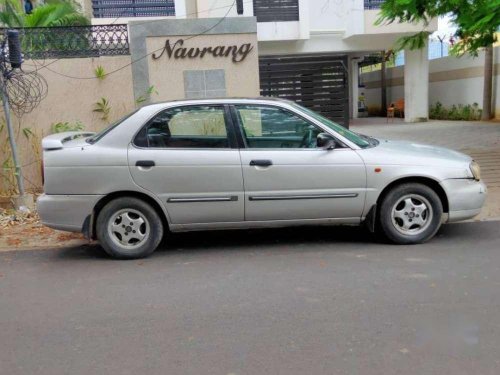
(224, 100)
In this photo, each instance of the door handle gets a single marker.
(145, 163)
(261, 163)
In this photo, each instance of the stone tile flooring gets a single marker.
(458, 135)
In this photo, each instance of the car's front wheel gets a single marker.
(410, 213)
(129, 228)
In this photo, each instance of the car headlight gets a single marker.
(476, 170)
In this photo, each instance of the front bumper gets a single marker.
(466, 198)
(66, 212)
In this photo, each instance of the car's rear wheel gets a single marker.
(129, 228)
(410, 213)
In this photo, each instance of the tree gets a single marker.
(52, 13)
(477, 22)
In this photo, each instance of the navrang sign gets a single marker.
(177, 51)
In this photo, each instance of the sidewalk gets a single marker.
(24, 231)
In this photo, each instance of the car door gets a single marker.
(187, 156)
(286, 177)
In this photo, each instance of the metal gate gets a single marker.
(316, 82)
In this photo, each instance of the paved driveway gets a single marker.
(481, 140)
(457, 135)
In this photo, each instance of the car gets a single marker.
(246, 163)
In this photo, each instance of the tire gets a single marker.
(410, 214)
(129, 228)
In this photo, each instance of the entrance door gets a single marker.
(286, 177)
(184, 155)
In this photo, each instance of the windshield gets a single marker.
(106, 130)
(361, 141)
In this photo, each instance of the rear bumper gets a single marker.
(66, 212)
(465, 198)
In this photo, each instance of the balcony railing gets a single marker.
(133, 8)
(373, 4)
(276, 10)
(73, 41)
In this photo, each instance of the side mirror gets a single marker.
(325, 141)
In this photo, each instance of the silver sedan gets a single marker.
(246, 163)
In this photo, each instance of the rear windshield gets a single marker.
(96, 137)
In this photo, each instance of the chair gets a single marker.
(396, 107)
(390, 112)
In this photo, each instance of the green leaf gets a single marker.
(477, 21)
(52, 13)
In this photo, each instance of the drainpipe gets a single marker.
(12, 140)
(383, 87)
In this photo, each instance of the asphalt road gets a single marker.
(294, 301)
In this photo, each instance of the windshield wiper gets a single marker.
(372, 141)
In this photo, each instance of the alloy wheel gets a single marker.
(412, 214)
(128, 228)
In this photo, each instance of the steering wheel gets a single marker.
(307, 139)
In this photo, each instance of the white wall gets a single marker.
(452, 81)
(324, 25)
(333, 14)
(219, 8)
(370, 16)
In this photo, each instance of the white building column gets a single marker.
(416, 78)
(354, 87)
(180, 9)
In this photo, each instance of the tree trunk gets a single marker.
(383, 87)
(488, 83)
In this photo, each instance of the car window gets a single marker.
(272, 127)
(96, 137)
(339, 129)
(186, 127)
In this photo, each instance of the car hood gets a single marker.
(410, 153)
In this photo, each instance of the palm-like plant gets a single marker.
(52, 13)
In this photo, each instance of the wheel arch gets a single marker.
(127, 193)
(431, 183)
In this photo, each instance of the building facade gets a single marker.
(308, 50)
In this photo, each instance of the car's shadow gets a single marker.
(207, 240)
(223, 240)
(299, 238)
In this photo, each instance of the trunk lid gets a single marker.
(65, 140)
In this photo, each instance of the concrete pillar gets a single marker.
(180, 9)
(416, 77)
(354, 88)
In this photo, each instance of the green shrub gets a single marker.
(458, 112)
(100, 73)
(61, 127)
(103, 107)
